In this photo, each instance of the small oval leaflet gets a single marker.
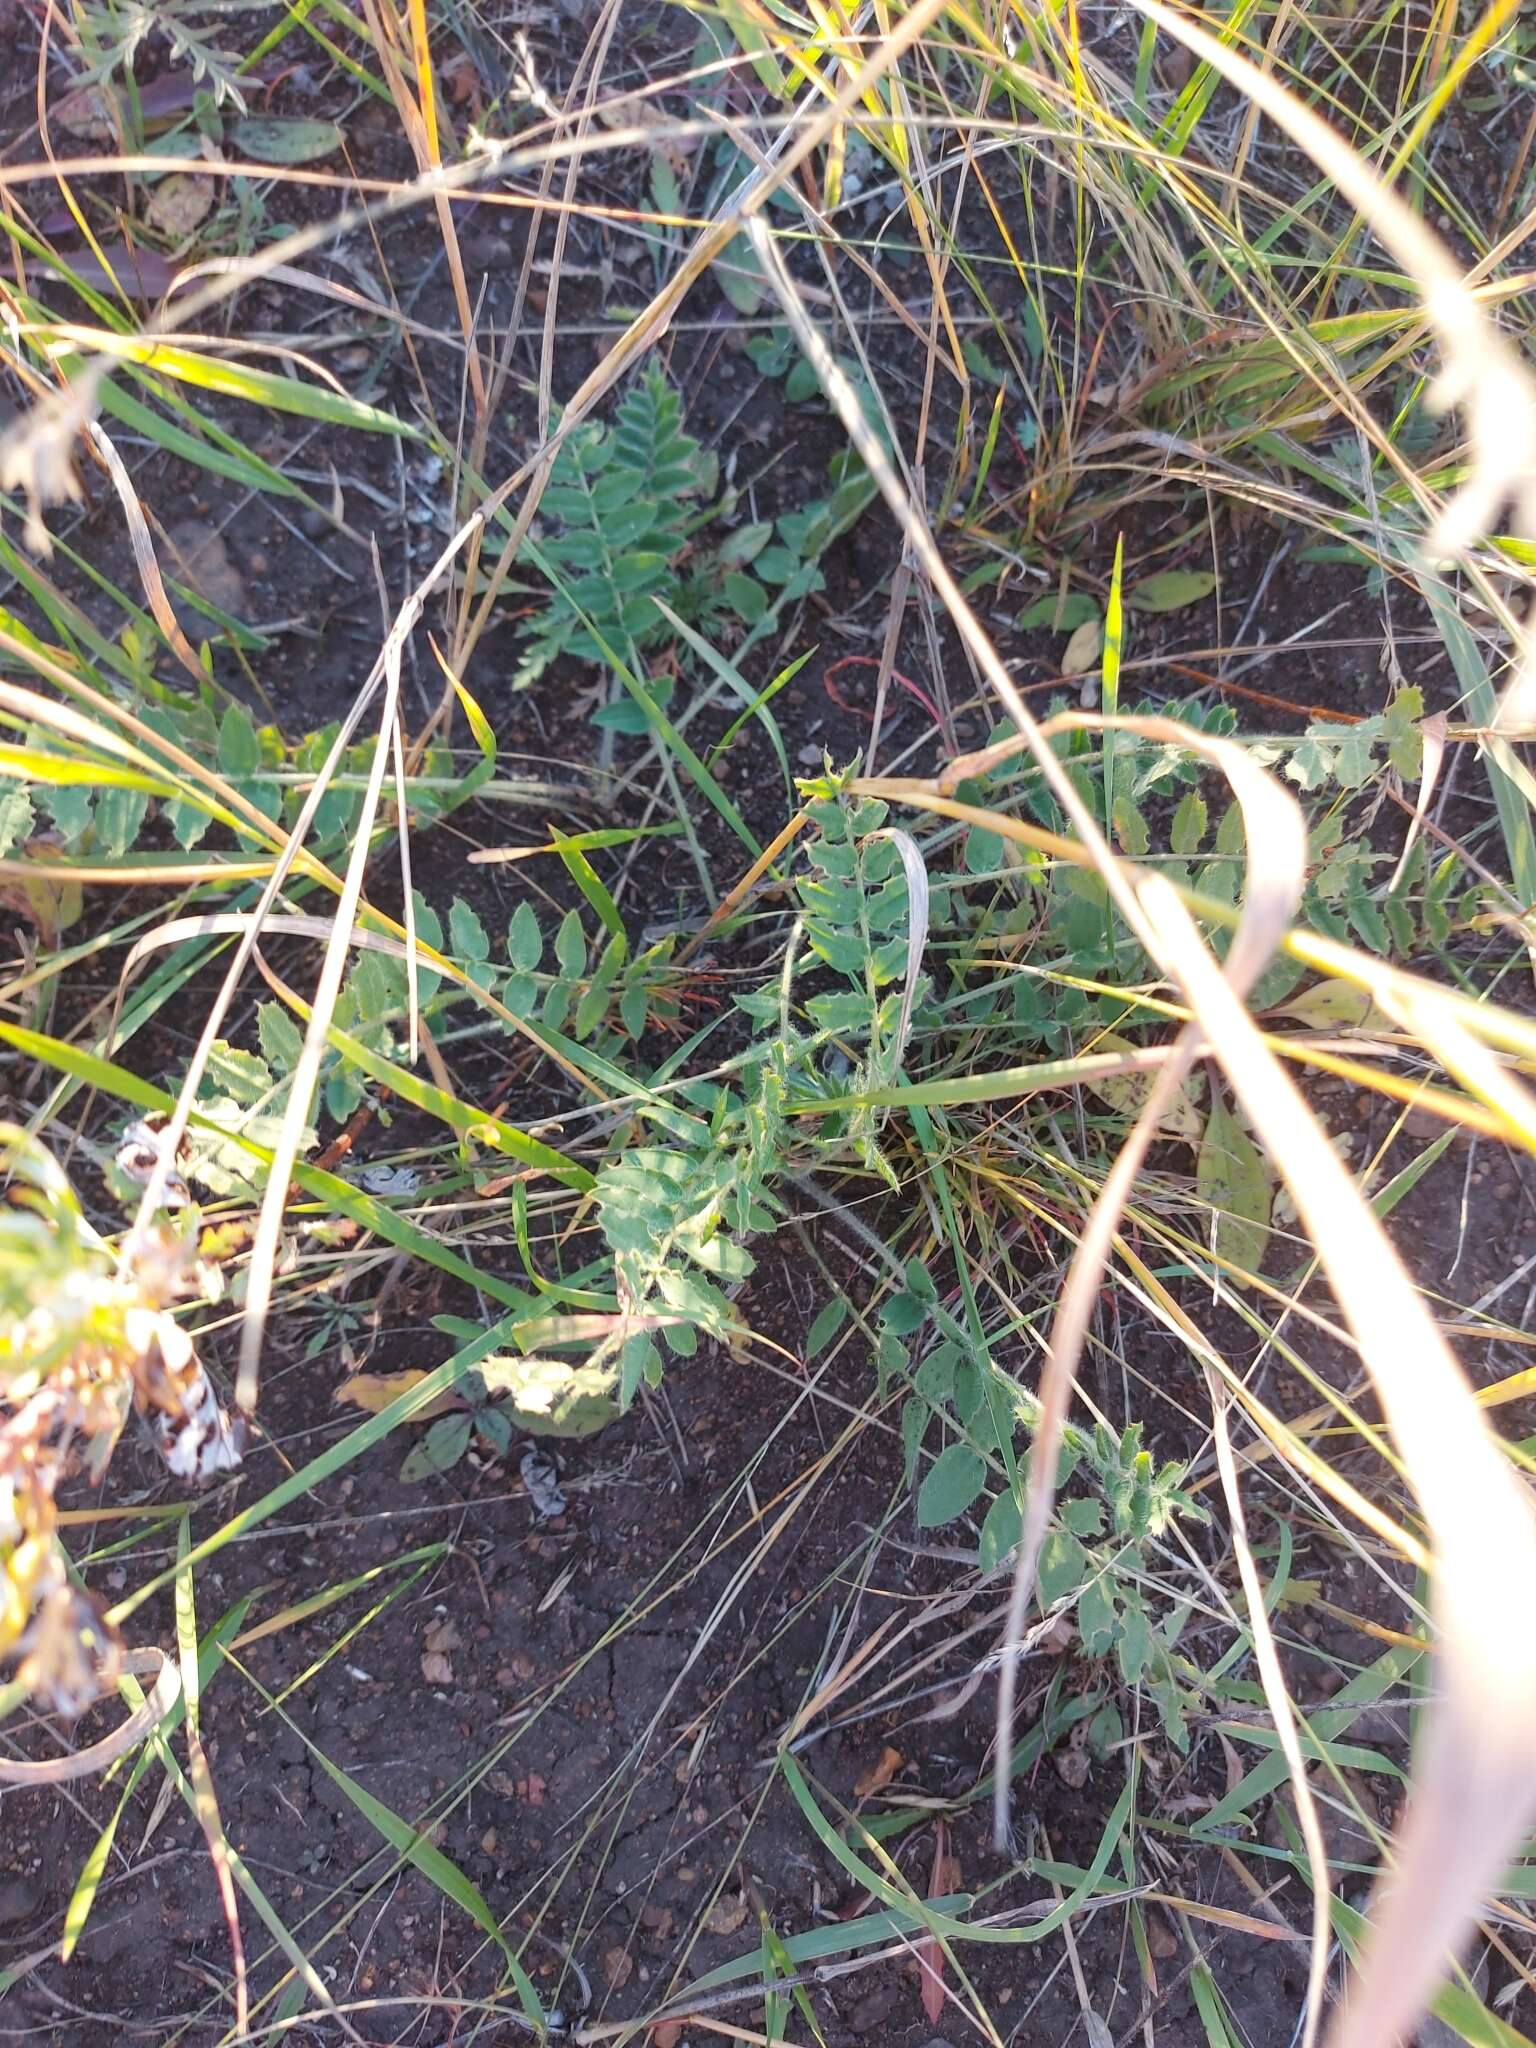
(952, 1482)
(276, 141)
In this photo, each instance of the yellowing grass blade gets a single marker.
(209, 372)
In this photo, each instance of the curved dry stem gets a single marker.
(144, 551)
(142, 1722)
(1273, 1680)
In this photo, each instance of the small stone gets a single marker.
(200, 557)
(1161, 1939)
(18, 1897)
(1423, 1123)
(873, 2009)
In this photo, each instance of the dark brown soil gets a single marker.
(583, 1714)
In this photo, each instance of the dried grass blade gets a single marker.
(1279, 1700)
(144, 553)
(1475, 1783)
(142, 1722)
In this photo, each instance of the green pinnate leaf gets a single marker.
(1097, 1621)
(1131, 828)
(1169, 590)
(1000, 1532)
(1400, 725)
(442, 1446)
(1064, 1565)
(239, 744)
(1232, 1178)
(279, 1037)
(16, 819)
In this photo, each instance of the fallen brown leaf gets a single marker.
(943, 1878)
(462, 78)
(1082, 650)
(436, 1669)
(442, 1636)
(618, 1967)
(102, 114)
(1072, 1760)
(629, 110)
(136, 273)
(373, 1391)
(1161, 1939)
(726, 1915)
(87, 112)
(1056, 1638)
(180, 203)
(879, 1774)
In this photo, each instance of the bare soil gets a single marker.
(583, 1713)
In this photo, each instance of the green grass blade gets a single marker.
(752, 701)
(265, 388)
(588, 881)
(942, 1925)
(330, 1190)
(210, 1656)
(1362, 1691)
(661, 726)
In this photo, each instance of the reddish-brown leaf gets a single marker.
(137, 273)
(943, 1878)
(879, 1774)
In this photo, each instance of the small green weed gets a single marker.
(619, 530)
